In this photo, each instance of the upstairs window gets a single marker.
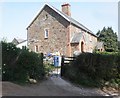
(46, 33)
(46, 16)
(36, 48)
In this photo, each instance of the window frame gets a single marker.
(36, 48)
(46, 16)
(46, 33)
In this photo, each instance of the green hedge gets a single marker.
(93, 69)
(20, 64)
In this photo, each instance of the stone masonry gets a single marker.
(60, 33)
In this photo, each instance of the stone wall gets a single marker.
(57, 26)
(60, 34)
(74, 47)
(88, 39)
(91, 42)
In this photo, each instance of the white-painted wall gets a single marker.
(22, 44)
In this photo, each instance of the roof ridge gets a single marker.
(68, 18)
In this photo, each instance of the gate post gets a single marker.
(41, 58)
(62, 65)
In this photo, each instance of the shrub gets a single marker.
(20, 64)
(93, 69)
(9, 56)
(32, 64)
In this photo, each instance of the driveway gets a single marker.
(53, 86)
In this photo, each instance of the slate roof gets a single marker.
(76, 38)
(73, 20)
(99, 45)
(68, 18)
(18, 41)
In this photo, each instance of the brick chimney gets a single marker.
(66, 9)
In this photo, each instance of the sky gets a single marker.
(16, 16)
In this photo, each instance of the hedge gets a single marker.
(92, 69)
(20, 64)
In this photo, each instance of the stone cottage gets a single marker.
(53, 30)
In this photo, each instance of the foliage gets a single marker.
(4, 39)
(20, 64)
(94, 69)
(48, 68)
(119, 45)
(109, 37)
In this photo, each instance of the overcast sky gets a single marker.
(16, 16)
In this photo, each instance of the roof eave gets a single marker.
(88, 31)
(35, 17)
(41, 11)
(84, 28)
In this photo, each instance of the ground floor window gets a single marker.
(36, 48)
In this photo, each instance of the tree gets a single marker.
(4, 39)
(119, 45)
(109, 37)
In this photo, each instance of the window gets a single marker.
(46, 33)
(36, 48)
(46, 16)
(24, 47)
(90, 37)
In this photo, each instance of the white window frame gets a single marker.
(36, 48)
(46, 33)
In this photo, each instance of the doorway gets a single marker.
(82, 46)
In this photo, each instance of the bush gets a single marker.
(20, 64)
(48, 68)
(9, 56)
(32, 64)
(93, 69)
